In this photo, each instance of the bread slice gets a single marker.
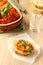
(38, 3)
(14, 47)
(35, 10)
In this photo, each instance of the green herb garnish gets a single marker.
(28, 49)
(23, 43)
(5, 9)
(0, 11)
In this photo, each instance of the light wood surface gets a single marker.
(5, 56)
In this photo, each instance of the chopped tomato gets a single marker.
(30, 45)
(2, 2)
(21, 48)
(9, 17)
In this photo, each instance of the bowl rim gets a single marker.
(15, 20)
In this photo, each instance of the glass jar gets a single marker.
(35, 18)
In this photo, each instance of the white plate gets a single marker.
(30, 58)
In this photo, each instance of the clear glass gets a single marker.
(34, 19)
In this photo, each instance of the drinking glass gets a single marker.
(35, 21)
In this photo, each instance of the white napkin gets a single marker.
(30, 58)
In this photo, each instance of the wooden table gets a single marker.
(5, 56)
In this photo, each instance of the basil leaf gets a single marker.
(28, 49)
(23, 43)
(5, 9)
(0, 11)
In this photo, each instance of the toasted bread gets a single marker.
(36, 10)
(38, 3)
(14, 47)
